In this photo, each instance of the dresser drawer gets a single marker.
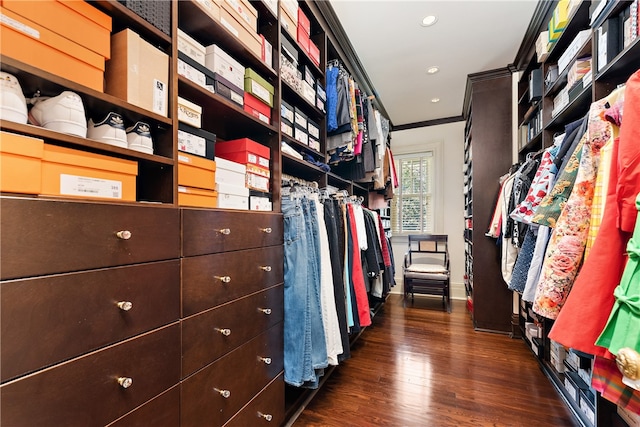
(206, 231)
(161, 411)
(48, 319)
(211, 334)
(266, 409)
(239, 375)
(45, 237)
(211, 280)
(86, 391)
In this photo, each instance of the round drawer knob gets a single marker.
(266, 360)
(125, 382)
(223, 279)
(267, 417)
(266, 230)
(124, 234)
(266, 311)
(224, 331)
(265, 267)
(224, 393)
(125, 305)
(225, 231)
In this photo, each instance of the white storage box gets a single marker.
(191, 47)
(189, 113)
(236, 190)
(232, 201)
(219, 61)
(226, 176)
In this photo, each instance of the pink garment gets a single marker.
(394, 174)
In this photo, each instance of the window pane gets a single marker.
(411, 213)
(411, 208)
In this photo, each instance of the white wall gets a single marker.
(448, 140)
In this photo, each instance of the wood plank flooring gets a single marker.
(419, 366)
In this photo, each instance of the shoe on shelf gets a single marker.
(13, 105)
(63, 113)
(139, 138)
(109, 130)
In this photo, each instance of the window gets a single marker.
(412, 209)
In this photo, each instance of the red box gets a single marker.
(303, 39)
(244, 151)
(314, 53)
(303, 21)
(257, 108)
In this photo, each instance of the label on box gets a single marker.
(257, 114)
(259, 170)
(237, 98)
(260, 91)
(320, 104)
(257, 203)
(190, 143)
(188, 114)
(300, 120)
(241, 11)
(257, 182)
(229, 27)
(570, 389)
(74, 185)
(232, 201)
(301, 136)
(313, 130)
(17, 25)
(159, 97)
(286, 113)
(192, 74)
(314, 143)
(307, 92)
(286, 129)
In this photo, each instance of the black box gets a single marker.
(289, 50)
(210, 140)
(535, 85)
(227, 89)
(156, 12)
(608, 41)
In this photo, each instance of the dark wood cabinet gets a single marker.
(161, 411)
(264, 409)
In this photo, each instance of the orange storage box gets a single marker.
(194, 171)
(20, 163)
(197, 197)
(245, 151)
(75, 20)
(75, 173)
(33, 44)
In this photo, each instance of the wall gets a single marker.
(448, 142)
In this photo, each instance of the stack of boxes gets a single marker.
(289, 17)
(300, 122)
(577, 377)
(75, 45)
(258, 96)
(287, 117)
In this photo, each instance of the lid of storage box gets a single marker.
(230, 165)
(89, 11)
(20, 144)
(190, 105)
(69, 156)
(199, 162)
(290, 51)
(197, 191)
(197, 131)
(243, 144)
(251, 74)
(257, 104)
(227, 188)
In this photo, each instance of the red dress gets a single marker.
(587, 309)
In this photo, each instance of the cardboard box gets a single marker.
(233, 201)
(79, 22)
(250, 38)
(33, 44)
(243, 12)
(234, 189)
(226, 176)
(228, 90)
(290, 9)
(257, 182)
(257, 108)
(244, 151)
(138, 72)
(303, 22)
(289, 25)
(196, 141)
(194, 171)
(258, 86)
(228, 165)
(220, 62)
(20, 163)
(210, 8)
(197, 197)
(191, 47)
(75, 173)
(189, 113)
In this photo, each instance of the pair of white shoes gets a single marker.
(65, 113)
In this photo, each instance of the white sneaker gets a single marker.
(139, 138)
(13, 105)
(63, 113)
(109, 130)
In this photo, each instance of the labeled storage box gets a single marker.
(257, 108)
(36, 45)
(244, 151)
(234, 189)
(257, 182)
(308, 92)
(194, 171)
(314, 143)
(220, 62)
(233, 201)
(300, 119)
(313, 128)
(209, 7)
(223, 164)
(266, 54)
(303, 21)
(250, 38)
(196, 141)
(189, 113)
(287, 112)
(301, 135)
(258, 170)
(243, 12)
(75, 173)
(20, 163)
(195, 72)
(258, 86)
(138, 72)
(191, 47)
(259, 201)
(226, 89)
(197, 197)
(286, 128)
(289, 16)
(228, 176)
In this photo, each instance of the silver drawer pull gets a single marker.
(266, 360)
(223, 279)
(266, 230)
(265, 267)
(225, 231)
(224, 331)
(224, 393)
(267, 417)
(124, 234)
(266, 311)
(125, 305)
(125, 382)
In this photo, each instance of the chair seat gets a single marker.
(426, 276)
(427, 268)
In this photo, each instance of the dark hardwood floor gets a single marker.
(419, 366)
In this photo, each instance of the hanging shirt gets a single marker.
(357, 275)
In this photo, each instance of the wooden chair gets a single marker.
(426, 267)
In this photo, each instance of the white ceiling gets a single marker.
(469, 37)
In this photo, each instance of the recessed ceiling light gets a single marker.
(428, 21)
(434, 100)
(433, 70)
